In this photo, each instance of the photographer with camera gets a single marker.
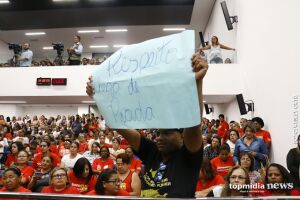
(75, 51)
(26, 56)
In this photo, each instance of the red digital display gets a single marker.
(43, 81)
(59, 81)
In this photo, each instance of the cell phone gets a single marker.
(38, 174)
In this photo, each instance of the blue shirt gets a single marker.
(257, 146)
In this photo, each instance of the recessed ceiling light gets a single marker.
(116, 30)
(12, 102)
(4, 1)
(36, 33)
(48, 48)
(98, 46)
(119, 45)
(88, 31)
(173, 29)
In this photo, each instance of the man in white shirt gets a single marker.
(75, 51)
(26, 56)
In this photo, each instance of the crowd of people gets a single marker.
(82, 155)
(25, 57)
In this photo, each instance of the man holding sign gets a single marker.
(172, 164)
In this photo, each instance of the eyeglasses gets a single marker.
(59, 176)
(160, 172)
(237, 177)
(43, 145)
(116, 181)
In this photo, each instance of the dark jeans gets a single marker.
(74, 62)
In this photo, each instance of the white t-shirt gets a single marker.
(4, 143)
(69, 163)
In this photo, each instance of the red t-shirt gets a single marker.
(136, 165)
(126, 183)
(223, 127)
(52, 148)
(221, 167)
(27, 172)
(11, 160)
(83, 147)
(8, 136)
(67, 190)
(81, 184)
(120, 193)
(264, 135)
(217, 180)
(20, 189)
(37, 161)
(100, 165)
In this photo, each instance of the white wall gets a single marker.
(267, 42)
(50, 110)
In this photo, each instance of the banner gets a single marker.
(149, 85)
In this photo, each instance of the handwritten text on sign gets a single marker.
(149, 85)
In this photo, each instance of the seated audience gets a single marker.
(104, 162)
(250, 143)
(135, 164)
(108, 184)
(45, 150)
(237, 176)
(26, 170)
(223, 162)
(246, 160)
(41, 176)
(260, 133)
(69, 160)
(12, 181)
(15, 147)
(277, 175)
(208, 179)
(82, 176)
(59, 183)
(130, 181)
(212, 151)
(93, 153)
(116, 149)
(233, 137)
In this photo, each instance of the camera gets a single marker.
(59, 47)
(17, 48)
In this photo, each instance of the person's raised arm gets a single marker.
(132, 136)
(192, 136)
(204, 48)
(227, 48)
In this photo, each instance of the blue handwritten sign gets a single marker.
(149, 85)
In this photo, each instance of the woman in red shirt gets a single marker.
(12, 156)
(12, 181)
(223, 162)
(26, 170)
(135, 164)
(108, 183)
(82, 176)
(208, 179)
(104, 162)
(60, 183)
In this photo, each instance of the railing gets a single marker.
(39, 196)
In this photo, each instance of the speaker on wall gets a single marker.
(208, 109)
(227, 16)
(243, 104)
